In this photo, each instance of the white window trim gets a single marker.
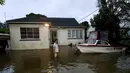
(77, 34)
(29, 39)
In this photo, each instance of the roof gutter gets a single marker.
(67, 27)
(27, 22)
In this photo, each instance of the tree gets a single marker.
(100, 19)
(106, 20)
(2, 2)
(35, 15)
(112, 13)
(121, 8)
(86, 24)
(3, 28)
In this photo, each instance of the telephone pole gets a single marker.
(5, 15)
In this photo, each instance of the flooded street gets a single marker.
(42, 61)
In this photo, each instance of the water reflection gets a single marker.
(8, 69)
(31, 61)
(43, 61)
(123, 63)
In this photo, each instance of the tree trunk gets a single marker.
(85, 35)
(110, 35)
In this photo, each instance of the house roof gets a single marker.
(27, 19)
(54, 21)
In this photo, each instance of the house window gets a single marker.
(77, 31)
(69, 33)
(73, 34)
(29, 33)
(76, 34)
(80, 33)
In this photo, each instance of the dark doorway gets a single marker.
(3, 45)
(53, 36)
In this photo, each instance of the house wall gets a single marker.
(90, 29)
(15, 37)
(63, 36)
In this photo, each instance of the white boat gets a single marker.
(99, 46)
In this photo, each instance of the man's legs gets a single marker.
(56, 54)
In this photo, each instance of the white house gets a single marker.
(90, 29)
(40, 32)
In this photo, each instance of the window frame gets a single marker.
(30, 34)
(106, 43)
(69, 34)
(75, 34)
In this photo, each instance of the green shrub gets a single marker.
(4, 30)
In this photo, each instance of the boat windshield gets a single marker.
(90, 41)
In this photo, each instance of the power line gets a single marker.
(88, 15)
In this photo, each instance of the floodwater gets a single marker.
(42, 61)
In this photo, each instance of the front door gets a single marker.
(53, 36)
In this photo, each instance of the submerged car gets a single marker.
(100, 46)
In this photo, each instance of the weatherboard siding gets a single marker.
(16, 44)
(63, 36)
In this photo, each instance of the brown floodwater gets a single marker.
(42, 61)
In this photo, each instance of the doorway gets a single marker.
(53, 36)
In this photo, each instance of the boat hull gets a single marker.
(100, 49)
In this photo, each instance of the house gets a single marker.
(90, 29)
(40, 32)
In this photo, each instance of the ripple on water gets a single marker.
(123, 63)
(76, 68)
(8, 69)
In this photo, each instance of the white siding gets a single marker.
(16, 44)
(89, 30)
(63, 36)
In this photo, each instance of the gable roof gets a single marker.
(27, 19)
(54, 21)
(63, 22)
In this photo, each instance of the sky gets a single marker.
(77, 9)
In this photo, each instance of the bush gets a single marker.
(4, 30)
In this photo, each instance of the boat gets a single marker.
(99, 46)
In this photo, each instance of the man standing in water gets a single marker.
(56, 48)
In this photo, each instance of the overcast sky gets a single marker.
(51, 8)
